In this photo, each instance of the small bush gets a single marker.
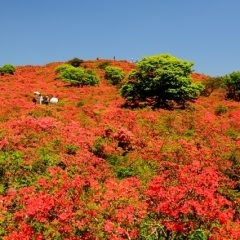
(125, 139)
(7, 69)
(211, 84)
(71, 149)
(104, 64)
(199, 234)
(124, 172)
(232, 84)
(98, 148)
(80, 103)
(75, 62)
(77, 76)
(114, 74)
(221, 109)
(233, 134)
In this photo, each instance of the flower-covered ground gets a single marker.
(88, 168)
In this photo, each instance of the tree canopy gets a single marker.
(161, 77)
(77, 76)
(114, 74)
(7, 69)
(232, 84)
(75, 62)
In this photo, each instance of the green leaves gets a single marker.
(7, 69)
(232, 83)
(114, 74)
(161, 77)
(77, 76)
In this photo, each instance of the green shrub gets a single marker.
(75, 62)
(232, 84)
(124, 172)
(81, 103)
(45, 159)
(162, 78)
(123, 167)
(232, 133)
(13, 170)
(71, 149)
(211, 84)
(199, 234)
(98, 148)
(77, 76)
(104, 64)
(220, 109)
(61, 68)
(7, 69)
(114, 74)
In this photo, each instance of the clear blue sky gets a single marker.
(38, 32)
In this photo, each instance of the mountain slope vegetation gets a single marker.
(90, 168)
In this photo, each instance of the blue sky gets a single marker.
(37, 32)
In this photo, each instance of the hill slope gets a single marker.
(88, 168)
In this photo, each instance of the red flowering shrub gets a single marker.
(125, 139)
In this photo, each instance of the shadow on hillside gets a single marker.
(154, 105)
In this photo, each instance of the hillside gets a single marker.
(88, 168)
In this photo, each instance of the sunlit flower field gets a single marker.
(90, 168)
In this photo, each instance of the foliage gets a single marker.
(75, 62)
(71, 149)
(162, 77)
(114, 74)
(98, 147)
(7, 69)
(61, 68)
(199, 234)
(90, 169)
(77, 76)
(211, 84)
(232, 83)
(220, 109)
(80, 103)
(103, 64)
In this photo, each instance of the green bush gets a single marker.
(77, 76)
(114, 74)
(80, 103)
(220, 109)
(161, 78)
(232, 84)
(98, 148)
(104, 64)
(75, 62)
(61, 68)
(71, 149)
(211, 84)
(7, 69)
(199, 234)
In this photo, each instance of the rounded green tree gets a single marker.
(114, 74)
(61, 68)
(75, 62)
(232, 83)
(161, 78)
(7, 69)
(77, 76)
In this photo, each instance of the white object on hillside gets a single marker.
(37, 93)
(53, 100)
